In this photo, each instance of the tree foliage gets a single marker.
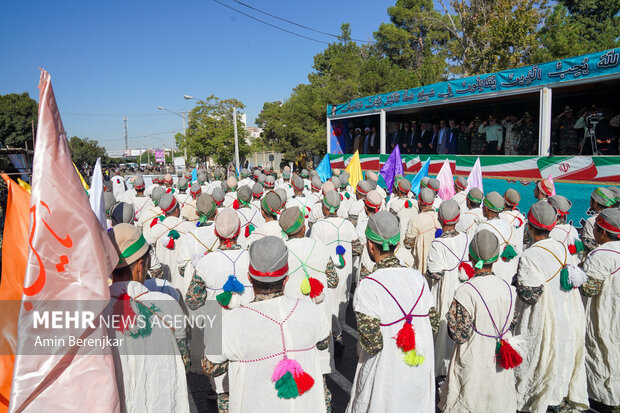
(86, 151)
(210, 132)
(18, 112)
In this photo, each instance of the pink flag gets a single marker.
(70, 258)
(550, 179)
(446, 181)
(475, 177)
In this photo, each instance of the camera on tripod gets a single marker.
(593, 118)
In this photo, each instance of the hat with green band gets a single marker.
(129, 244)
(484, 248)
(331, 200)
(291, 220)
(271, 203)
(604, 197)
(384, 229)
(475, 195)
(494, 202)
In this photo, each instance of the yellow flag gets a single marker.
(354, 168)
(24, 185)
(84, 184)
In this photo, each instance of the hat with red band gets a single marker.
(167, 203)
(461, 183)
(363, 187)
(449, 212)
(609, 220)
(545, 186)
(433, 183)
(257, 190)
(195, 189)
(560, 203)
(426, 197)
(316, 183)
(512, 198)
(268, 259)
(404, 185)
(542, 215)
(298, 183)
(373, 200)
(227, 225)
(138, 183)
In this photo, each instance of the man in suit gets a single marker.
(373, 141)
(432, 145)
(454, 135)
(405, 137)
(442, 139)
(393, 136)
(415, 138)
(425, 138)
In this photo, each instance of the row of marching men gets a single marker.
(330, 232)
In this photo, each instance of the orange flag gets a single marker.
(70, 259)
(14, 259)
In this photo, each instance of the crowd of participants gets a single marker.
(588, 132)
(466, 305)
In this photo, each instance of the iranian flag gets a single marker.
(500, 166)
(580, 168)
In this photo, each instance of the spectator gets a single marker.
(442, 141)
(425, 137)
(453, 137)
(415, 138)
(493, 135)
(358, 141)
(405, 137)
(366, 147)
(528, 135)
(511, 141)
(606, 135)
(393, 136)
(476, 137)
(373, 141)
(462, 142)
(434, 139)
(566, 134)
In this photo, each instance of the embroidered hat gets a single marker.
(331, 200)
(363, 187)
(604, 197)
(484, 248)
(373, 200)
(128, 243)
(138, 183)
(282, 194)
(182, 183)
(108, 201)
(218, 196)
(426, 196)
(542, 215)
(244, 194)
(195, 189)
(475, 195)
(384, 229)
(328, 186)
(168, 179)
(271, 203)
(316, 183)
(512, 197)
(270, 181)
(494, 202)
(122, 212)
(336, 181)
(433, 183)
(404, 185)
(227, 224)
(616, 191)
(545, 186)
(268, 259)
(257, 190)
(560, 203)
(231, 183)
(187, 175)
(449, 212)
(205, 205)
(161, 179)
(424, 182)
(609, 220)
(167, 203)
(298, 183)
(461, 182)
(291, 220)
(372, 176)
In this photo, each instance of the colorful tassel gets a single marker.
(408, 204)
(290, 379)
(307, 213)
(509, 253)
(507, 357)
(405, 339)
(305, 286)
(467, 269)
(157, 220)
(579, 245)
(519, 222)
(123, 308)
(224, 298)
(232, 288)
(347, 195)
(576, 276)
(438, 232)
(316, 287)
(304, 382)
(236, 204)
(340, 251)
(172, 236)
(572, 249)
(564, 279)
(413, 358)
(286, 387)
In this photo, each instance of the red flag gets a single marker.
(70, 258)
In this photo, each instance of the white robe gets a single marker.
(422, 228)
(268, 228)
(118, 187)
(588, 229)
(192, 246)
(303, 203)
(461, 199)
(553, 332)
(506, 234)
(140, 362)
(475, 382)
(405, 215)
(384, 382)
(247, 216)
(149, 189)
(250, 338)
(469, 220)
(140, 204)
(445, 255)
(602, 333)
(567, 235)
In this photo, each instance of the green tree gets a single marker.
(210, 132)
(86, 151)
(18, 113)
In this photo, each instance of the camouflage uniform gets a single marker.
(528, 138)
(478, 141)
(568, 138)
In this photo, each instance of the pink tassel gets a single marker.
(286, 365)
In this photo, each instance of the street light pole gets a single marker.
(236, 140)
(184, 117)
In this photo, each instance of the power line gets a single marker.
(296, 24)
(269, 24)
(108, 114)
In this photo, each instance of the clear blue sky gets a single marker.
(109, 58)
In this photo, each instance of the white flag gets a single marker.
(475, 177)
(96, 195)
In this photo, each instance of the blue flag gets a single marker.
(415, 182)
(324, 169)
(392, 167)
(195, 175)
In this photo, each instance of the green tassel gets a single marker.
(305, 286)
(564, 281)
(286, 387)
(579, 246)
(161, 218)
(174, 234)
(509, 253)
(224, 298)
(413, 358)
(251, 228)
(340, 261)
(145, 313)
(479, 264)
(498, 344)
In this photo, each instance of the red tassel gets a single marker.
(341, 197)
(469, 270)
(405, 339)
(154, 222)
(236, 204)
(304, 382)
(170, 243)
(508, 356)
(168, 190)
(123, 308)
(316, 287)
(247, 230)
(572, 249)
(520, 222)
(309, 210)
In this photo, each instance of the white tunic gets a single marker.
(422, 229)
(191, 247)
(566, 234)
(140, 204)
(248, 216)
(475, 382)
(506, 234)
(602, 332)
(469, 220)
(214, 269)
(118, 187)
(139, 363)
(253, 345)
(405, 215)
(303, 203)
(588, 230)
(461, 199)
(553, 333)
(446, 255)
(268, 228)
(384, 382)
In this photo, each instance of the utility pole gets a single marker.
(236, 140)
(184, 136)
(126, 143)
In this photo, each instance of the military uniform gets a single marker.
(528, 138)
(477, 140)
